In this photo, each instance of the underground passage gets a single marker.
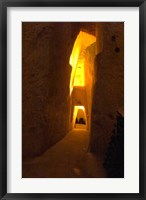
(72, 100)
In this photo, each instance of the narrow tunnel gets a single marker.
(73, 86)
(79, 117)
(80, 85)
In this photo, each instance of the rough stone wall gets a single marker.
(89, 79)
(108, 90)
(46, 75)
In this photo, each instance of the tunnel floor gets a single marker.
(69, 158)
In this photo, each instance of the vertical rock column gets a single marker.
(108, 90)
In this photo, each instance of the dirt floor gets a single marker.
(69, 158)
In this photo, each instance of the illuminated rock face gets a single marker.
(89, 79)
(77, 58)
(46, 77)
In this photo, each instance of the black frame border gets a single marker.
(4, 4)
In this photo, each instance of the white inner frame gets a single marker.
(130, 17)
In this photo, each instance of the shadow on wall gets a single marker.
(108, 88)
(46, 48)
(114, 159)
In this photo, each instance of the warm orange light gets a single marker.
(80, 107)
(77, 58)
(76, 108)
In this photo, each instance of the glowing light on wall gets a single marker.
(80, 107)
(79, 79)
(77, 58)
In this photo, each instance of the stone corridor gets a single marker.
(69, 158)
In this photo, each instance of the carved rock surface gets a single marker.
(46, 75)
(108, 90)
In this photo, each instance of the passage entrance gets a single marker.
(79, 117)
